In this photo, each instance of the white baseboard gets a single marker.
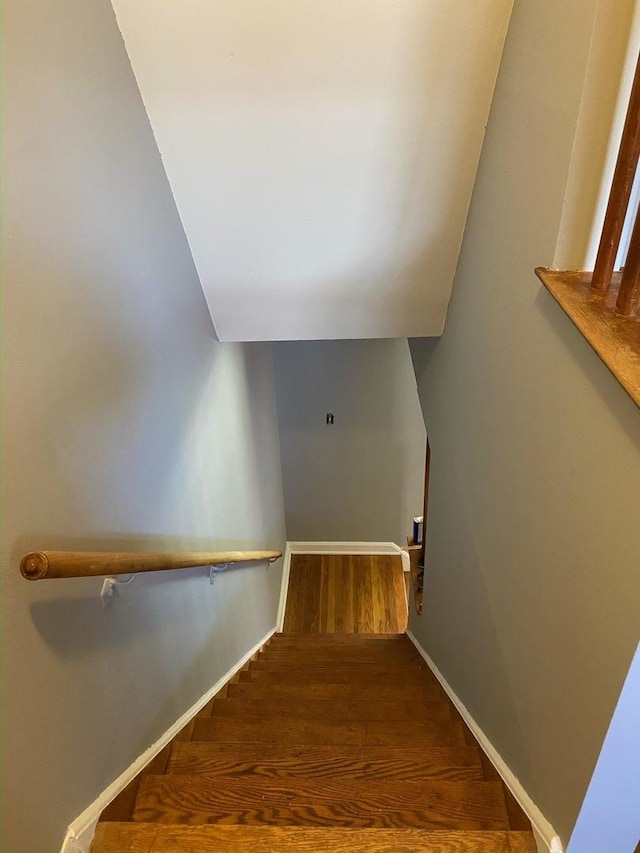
(80, 833)
(355, 548)
(546, 837)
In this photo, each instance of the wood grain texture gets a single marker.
(332, 762)
(40, 565)
(361, 638)
(287, 693)
(522, 842)
(349, 667)
(346, 594)
(331, 709)
(382, 656)
(615, 339)
(355, 675)
(325, 734)
(301, 802)
(329, 642)
(295, 732)
(155, 838)
(121, 807)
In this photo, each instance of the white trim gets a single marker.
(354, 548)
(80, 833)
(542, 829)
(284, 587)
(406, 560)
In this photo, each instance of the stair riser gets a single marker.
(308, 732)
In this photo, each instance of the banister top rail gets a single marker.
(604, 303)
(39, 565)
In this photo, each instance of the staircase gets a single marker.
(324, 743)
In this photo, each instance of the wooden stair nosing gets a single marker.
(332, 648)
(294, 732)
(343, 652)
(375, 664)
(328, 709)
(325, 641)
(334, 676)
(347, 802)
(388, 660)
(371, 762)
(425, 692)
(158, 838)
(338, 637)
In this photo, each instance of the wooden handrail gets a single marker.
(39, 565)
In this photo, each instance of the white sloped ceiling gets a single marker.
(322, 153)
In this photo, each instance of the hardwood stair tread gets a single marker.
(365, 647)
(430, 804)
(333, 654)
(377, 762)
(298, 732)
(388, 660)
(352, 637)
(408, 666)
(339, 639)
(154, 838)
(284, 693)
(339, 744)
(329, 709)
(329, 675)
(159, 838)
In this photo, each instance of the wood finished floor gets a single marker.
(346, 594)
(326, 743)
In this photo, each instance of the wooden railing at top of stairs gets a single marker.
(39, 565)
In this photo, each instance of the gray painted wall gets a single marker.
(532, 588)
(126, 425)
(361, 479)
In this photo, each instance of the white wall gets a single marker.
(362, 478)
(532, 590)
(322, 154)
(126, 426)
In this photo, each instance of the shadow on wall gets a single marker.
(78, 626)
(450, 628)
(580, 355)
(362, 478)
(147, 635)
